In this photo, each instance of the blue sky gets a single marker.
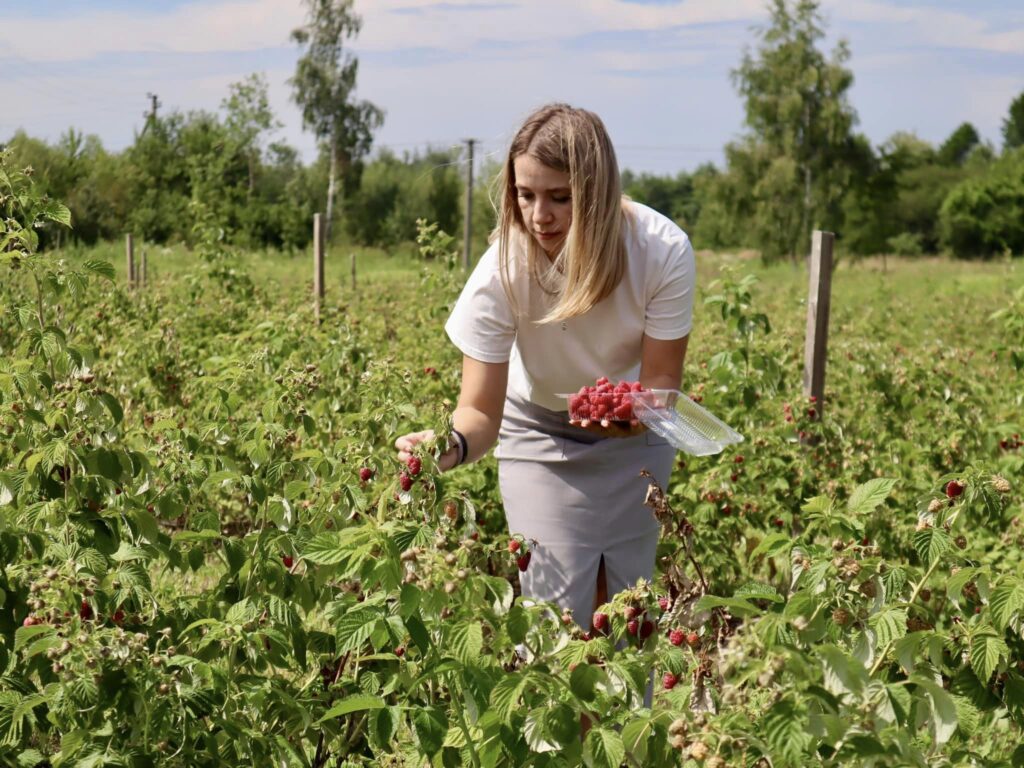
(657, 71)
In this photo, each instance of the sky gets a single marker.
(656, 71)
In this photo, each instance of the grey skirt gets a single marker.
(581, 498)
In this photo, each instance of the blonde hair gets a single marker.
(593, 256)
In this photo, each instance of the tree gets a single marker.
(324, 89)
(800, 123)
(957, 147)
(1013, 124)
(249, 117)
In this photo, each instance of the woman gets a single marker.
(578, 283)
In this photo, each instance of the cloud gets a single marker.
(931, 26)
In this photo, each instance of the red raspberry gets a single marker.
(693, 640)
(633, 626)
(630, 613)
(514, 545)
(365, 474)
(779, 522)
(677, 637)
(624, 412)
(600, 621)
(399, 651)
(669, 681)
(646, 629)
(30, 621)
(523, 561)
(738, 459)
(85, 611)
(118, 616)
(954, 489)
(287, 560)
(414, 464)
(663, 603)
(405, 481)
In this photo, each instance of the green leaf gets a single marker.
(466, 641)
(931, 544)
(101, 268)
(757, 591)
(505, 695)
(22, 635)
(890, 624)
(583, 681)
(943, 709)
(360, 702)
(986, 650)
(866, 498)
(354, 628)
(773, 544)
(783, 729)
(430, 724)
(1006, 600)
(112, 405)
(603, 748)
(736, 607)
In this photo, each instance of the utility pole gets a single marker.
(468, 224)
(151, 115)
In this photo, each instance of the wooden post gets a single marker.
(143, 267)
(468, 225)
(819, 299)
(352, 259)
(129, 251)
(318, 264)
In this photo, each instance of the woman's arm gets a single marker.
(477, 415)
(661, 362)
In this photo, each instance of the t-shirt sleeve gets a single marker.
(670, 308)
(482, 324)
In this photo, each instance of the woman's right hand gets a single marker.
(406, 444)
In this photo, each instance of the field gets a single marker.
(195, 574)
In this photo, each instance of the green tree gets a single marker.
(1013, 124)
(957, 147)
(983, 216)
(800, 122)
(324, 89)
(249, 118)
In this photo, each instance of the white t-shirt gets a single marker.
(654, 297)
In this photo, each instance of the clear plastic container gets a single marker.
(675, 417)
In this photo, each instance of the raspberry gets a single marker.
(405, 481)
(287, 560)
(669, 681)
(513, 546)
(85, 611)
(632, 626)
(600, 621)
(664, 603)
(693, 640)
(779, 522)
(365, 474)
(738, 459)
(624, 412)
(677, 637)
(30, 621)
(954, 489)
(414, 464)
(630, 613)
(646, 629)
(523, 561)
(699, 751)
(400, 651)
(118, 616)
(840, 617)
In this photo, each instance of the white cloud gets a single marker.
(930, 25)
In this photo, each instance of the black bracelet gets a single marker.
(463, 447)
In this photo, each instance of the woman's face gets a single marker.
(545, 200)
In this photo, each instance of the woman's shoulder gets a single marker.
(652, 228)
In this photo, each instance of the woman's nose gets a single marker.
(541, 212)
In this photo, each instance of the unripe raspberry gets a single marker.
(1001, 484)
(841, 617)
(699, 751)
(716, 761)
(678, 741)
(451, 510)
(934, 506)
(514, 545)
(678, 727)
(693, 640)
(630, 613)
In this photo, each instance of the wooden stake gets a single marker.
(318, 264)
(144, 267)
(468, 224)
(819, 299)
(129, 251)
